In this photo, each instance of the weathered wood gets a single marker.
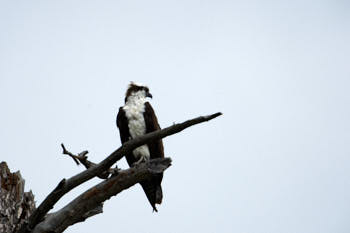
(90, 202)
(67, 185)
(15, 204)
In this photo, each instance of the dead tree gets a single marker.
(15, 204)
(18, 213)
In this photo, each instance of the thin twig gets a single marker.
(82, 158)
(74, 157)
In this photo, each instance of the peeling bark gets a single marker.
(15, 205)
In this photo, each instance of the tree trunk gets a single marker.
(15, 204)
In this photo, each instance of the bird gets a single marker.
(135, 119)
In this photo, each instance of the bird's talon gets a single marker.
(141, 160)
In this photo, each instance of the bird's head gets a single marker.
(137, 90)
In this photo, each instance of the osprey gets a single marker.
(137, 118)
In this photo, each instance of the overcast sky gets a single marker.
(277, 161)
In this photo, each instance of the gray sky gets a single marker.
(277, 160)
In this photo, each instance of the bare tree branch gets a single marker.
(67, 185)
(82, 158)
(90, 202)
(74, 157)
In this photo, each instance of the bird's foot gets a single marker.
(141, 160)
(115, 171)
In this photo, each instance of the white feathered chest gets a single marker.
(134, 109)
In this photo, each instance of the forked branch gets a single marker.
(90, 202)
(82, 158)
(93, 171)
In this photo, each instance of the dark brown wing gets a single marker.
(156, 148)
(122, 123)
(152, 187)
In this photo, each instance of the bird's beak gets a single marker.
(149, 95)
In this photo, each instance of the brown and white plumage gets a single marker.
(134, 119)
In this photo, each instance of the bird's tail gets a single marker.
(153, 191)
